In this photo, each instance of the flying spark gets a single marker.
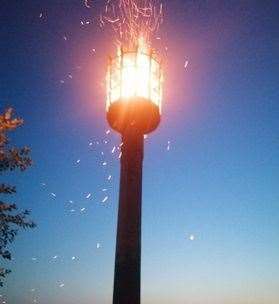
(86, 3)
(105, 199)
(168, 147)
(191, 237)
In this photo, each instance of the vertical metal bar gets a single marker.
(121, 71)
(110, 85)
(160, 87)
(150, 78)
(136, 71)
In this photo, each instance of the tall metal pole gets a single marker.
(128, 242)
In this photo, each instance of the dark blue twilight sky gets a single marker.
(218, 181)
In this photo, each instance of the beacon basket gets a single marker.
(134, 90)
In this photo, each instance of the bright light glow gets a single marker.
(133, 74)
(191, 237)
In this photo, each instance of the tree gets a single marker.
(11, 158)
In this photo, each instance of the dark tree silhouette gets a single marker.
(11, 158)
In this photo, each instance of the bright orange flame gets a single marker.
(135, 74)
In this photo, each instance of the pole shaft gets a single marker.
(128, 242)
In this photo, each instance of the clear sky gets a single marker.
(217, 181)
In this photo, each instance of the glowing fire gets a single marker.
(135, 74)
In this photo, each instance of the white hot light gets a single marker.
(134, 74)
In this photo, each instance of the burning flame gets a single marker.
(135, 74)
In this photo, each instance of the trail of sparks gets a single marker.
(132, 20)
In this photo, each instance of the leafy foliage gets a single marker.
(11, 158)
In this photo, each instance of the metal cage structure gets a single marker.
(134, 90)
(134, 74)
